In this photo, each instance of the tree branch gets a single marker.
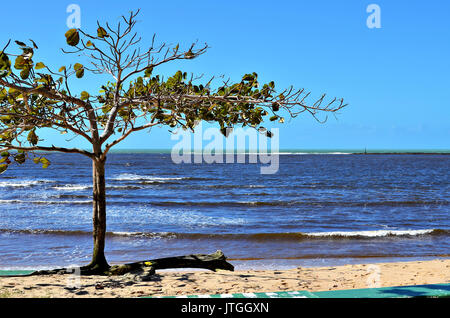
(50, 149)
(56, 95)
(125, 135)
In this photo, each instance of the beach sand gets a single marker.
(175, 283)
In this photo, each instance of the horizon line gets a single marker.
(288, 151)
(291, 150)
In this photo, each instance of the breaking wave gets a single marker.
(293, 236)
(44, 202)
(23, 183)
(72, 187)
(136, 177)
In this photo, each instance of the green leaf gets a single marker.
(25, 73)
(148, 72)
(224, 131)
(80, 73)
(273, 118)
(27, 52)
(3, 168)
(32, 137)
(84, 95)
(20, 63)
(5, 64)
(101, 33)
(45, 162)
(79, 70)
(189, 55)
(248, 77)
(21, 44)
(34, 44)
(275, 107)
(5, 154)
(20, 158)
(72, 37)
(39, 66)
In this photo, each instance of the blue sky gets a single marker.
(395, 78)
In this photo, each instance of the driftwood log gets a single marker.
(215, 261)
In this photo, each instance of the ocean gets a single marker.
(319, 209)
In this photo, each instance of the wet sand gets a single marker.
(176, 283)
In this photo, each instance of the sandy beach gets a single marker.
(171, 283)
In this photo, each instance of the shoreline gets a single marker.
(188, 282)
(265, 264)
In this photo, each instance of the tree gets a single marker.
(35, 96)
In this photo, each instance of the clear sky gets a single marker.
(395, 78)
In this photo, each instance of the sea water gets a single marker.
(317, 210)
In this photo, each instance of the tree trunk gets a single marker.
(99, 216)
(99, 265)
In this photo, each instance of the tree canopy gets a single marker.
(34, 94)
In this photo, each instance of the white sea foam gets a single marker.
(133, 177)
(376, 233)
(126, 233)
(123, 187)
(22, 183)
(159, 235)
(14, 201)
(72, 187)
(174, 217)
